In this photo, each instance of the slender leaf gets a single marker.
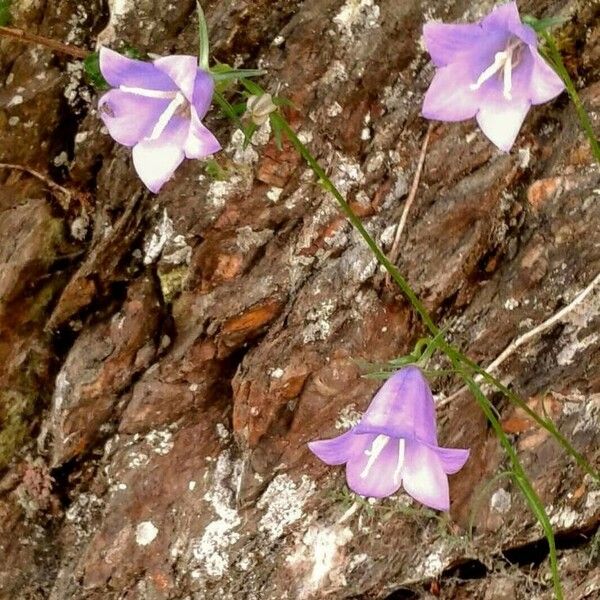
(542, 25)
(91, 68)
(5, 16)
(203, 41)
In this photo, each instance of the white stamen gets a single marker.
(149, 93)
(379, 443)
(503, 61)
(164, 119)
(400, 464)
(499, 61)
(508, 77)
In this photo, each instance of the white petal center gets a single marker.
(163, 121)
(379, 443)
(503, 61)
(149, 93)
(398, 471)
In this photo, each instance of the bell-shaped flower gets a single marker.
(490, 70)
(157, 108)
(395, 444)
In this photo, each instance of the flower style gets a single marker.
(395, 444)
(157, 108)
(491, 70)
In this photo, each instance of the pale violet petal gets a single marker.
(182, 70)
(372, 471)
(501, 119)
(402, 408)
(453, 459)
(156, 160)
(423, 476)
(506, 18)
(337, 450)
(544, 84)
(204, 87)
(120, 70)
(449, 97)
(448, 42)
(200, 141)
(129, 118)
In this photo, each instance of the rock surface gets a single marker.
(166, 358)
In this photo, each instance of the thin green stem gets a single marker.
(554, 57)
(459, 361)
(520, 477)
(357, 224)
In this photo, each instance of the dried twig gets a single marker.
(393, 255)
(57, 189)
(54, 45)
(518, 342)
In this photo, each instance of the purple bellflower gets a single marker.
(490, 70)
(395, 444)
(157, 108)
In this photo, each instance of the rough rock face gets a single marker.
(166, 358)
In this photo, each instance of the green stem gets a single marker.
(556, 62)
(520, 477)
(357, 224)
(459, 361)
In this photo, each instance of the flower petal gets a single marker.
(129, 117)
(505, 17)
(447, 43)
(543, 84)
(380, 479)
(402, 408)
(182, 70)
(424, 478)
(338, 450)
(449, 97)
(453, 459)
(200, 141)
(204, 87)
(156, 160)
(501, 119)
(120, 70)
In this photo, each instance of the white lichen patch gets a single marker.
(82, 513)
(567, 355)
(433, 564)
(564, 517)
(246, 154)
(357, 14)
(176, 251)
(335, 72)
(501, 501)
(273, 194)
(317, 560)
(161, 441)
(348, 417)
(211, 552)
(163, 232)
(283, 500)
(119, 9)
(220, 191)
(571, 341)
(319, 326)
(247, 239)
(61, 389)
(347, 174)
(145, 533)
(76, 90)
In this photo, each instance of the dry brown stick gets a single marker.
(393, 255)
(54, 45)
(536, 331)
(54, 187)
